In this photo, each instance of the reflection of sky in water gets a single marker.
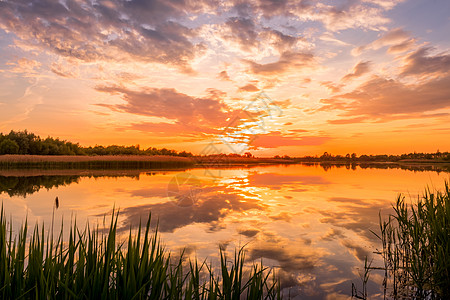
(312, 225)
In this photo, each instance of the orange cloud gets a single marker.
(334, 88)
(396, 36)
(170, 104)
(421, 63)
(224, 76)
(287, 61)
(248, 88)
(381, 99)
(360, 69)
(276, 139)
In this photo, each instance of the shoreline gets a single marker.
(116, 164)
(197, 160)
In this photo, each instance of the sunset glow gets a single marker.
(364, 76)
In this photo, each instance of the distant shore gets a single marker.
(127, 161)
(175, 162)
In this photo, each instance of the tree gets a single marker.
(8, 146)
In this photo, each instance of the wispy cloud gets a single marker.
(397, 38)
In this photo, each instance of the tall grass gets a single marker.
(94, 265)
(416, 248)
(93, 162)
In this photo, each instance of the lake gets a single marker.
(311, 223)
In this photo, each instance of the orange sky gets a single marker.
(364, 76)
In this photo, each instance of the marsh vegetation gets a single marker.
(415, 250)
(93, 263)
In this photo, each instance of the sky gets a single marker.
(270, 77)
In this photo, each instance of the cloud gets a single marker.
(395, 36)
(107, 30)
(333, 234)
(169, 32)
(243, 32)
(360, 69)
(224, 76)
(252, 35)
(274, 7)
(276, 139)
(334, 88)
(296, 261)
(248, 88)
(348, 121)
(421, 63)
(282, 216)
(283, 103)
(286, 62)
(281, 41)
(350, 14)
(249, 232)
(289, 262)
(337, 16)
(275, 181)
(381, 99)
(402, 47)
(352, 214)
(211, 208)
(25, 66)
(173, 129)
(358, 251)
(63, 70)
(329, 37)
(170, 104)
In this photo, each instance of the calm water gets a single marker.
(312, 224)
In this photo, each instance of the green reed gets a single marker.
(416, 248)
(92, 264)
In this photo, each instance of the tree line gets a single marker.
(378, 158)
(24, 142)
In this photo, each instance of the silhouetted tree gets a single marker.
(8, 146)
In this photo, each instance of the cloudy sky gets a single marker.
(364, 76)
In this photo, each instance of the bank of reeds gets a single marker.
(93, 162)
(93, 265)
(416, 248)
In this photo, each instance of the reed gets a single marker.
(93, 162)
(91, 264)
(416, 248)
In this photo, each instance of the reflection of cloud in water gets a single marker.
(275, 181)
(249, 232)
(299, 190)
(356, 215)
(356, 249)
(333, 234)
(290, 262)
(150, 192)
(282, 216)
(296, 261)
(211, 208)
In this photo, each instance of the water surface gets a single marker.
(311, 223)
